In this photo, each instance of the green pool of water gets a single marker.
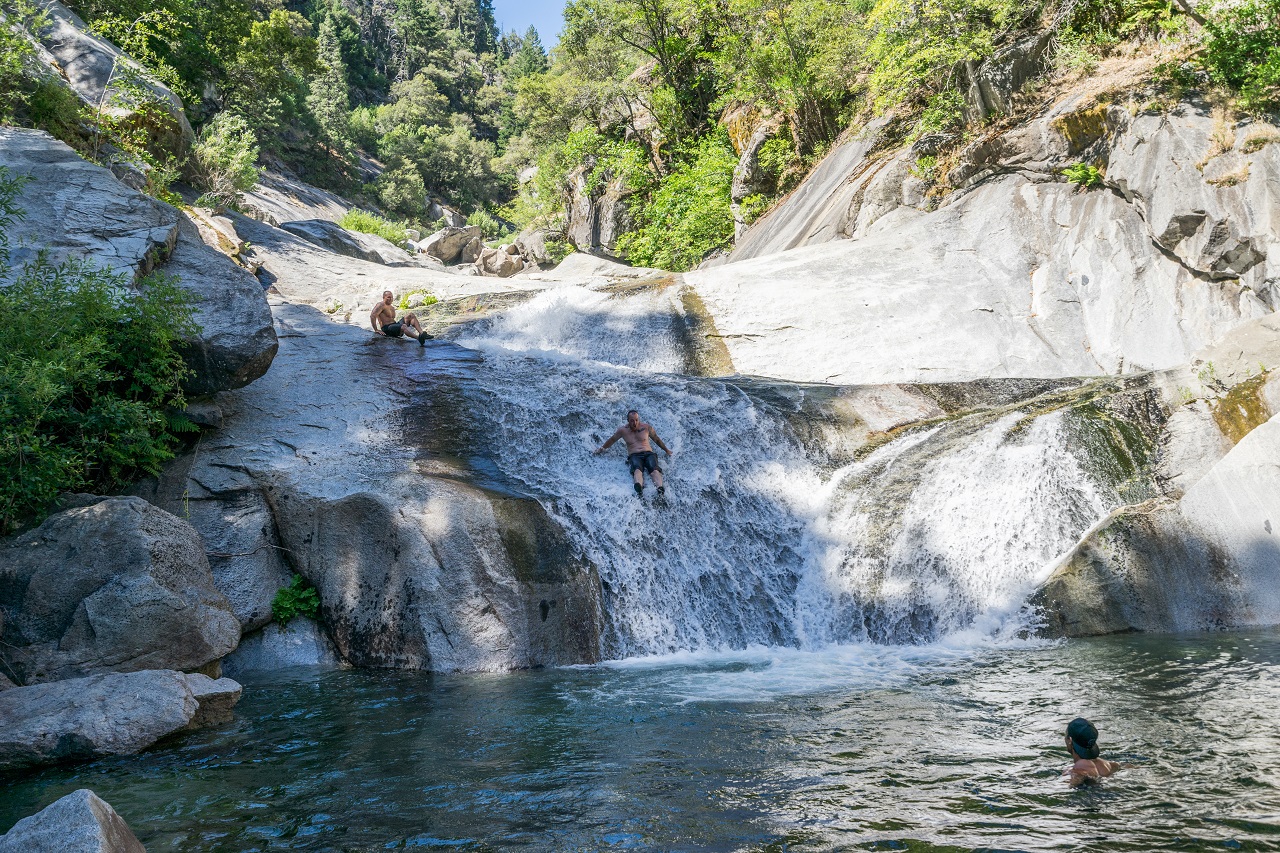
(853, 748)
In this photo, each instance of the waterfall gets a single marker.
(764, 540)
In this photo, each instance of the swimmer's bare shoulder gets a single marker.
(1086, 770)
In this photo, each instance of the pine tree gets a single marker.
(530, 58)
(330, 101)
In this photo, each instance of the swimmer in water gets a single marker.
(1082, 743)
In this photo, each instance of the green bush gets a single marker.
(225, 159)
(370, 223)
(1242, 51)
(687, 217)
(299, 598)
(1084, 174)
(90, 377)
(489, 225)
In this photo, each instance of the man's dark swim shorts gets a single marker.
(647, 460)
(393, 330)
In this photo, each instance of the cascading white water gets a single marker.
(760, 543)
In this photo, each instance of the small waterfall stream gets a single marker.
(765, 540)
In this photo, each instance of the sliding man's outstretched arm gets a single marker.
(653, 433)
(602, 448)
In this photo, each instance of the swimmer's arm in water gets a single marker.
(602, 448)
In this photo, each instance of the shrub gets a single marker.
(402, 190)
(365, 222)
(489, 225)
(688, 215)
(1083, 174)
(1242, 51)
(423, 299)
(90, 377)
(225, 159)
(299, 598)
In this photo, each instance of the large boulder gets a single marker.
(80, 822)
(85, 718)
(74, 209)
(108, 80)
(448, 244)
(440, 576)
(582, 229)
(237, 340)
(497, 262)
(335, 238)
(1209, 560)
(120, 586)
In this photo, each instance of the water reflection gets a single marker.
(858, 747)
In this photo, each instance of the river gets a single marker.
(866, 747)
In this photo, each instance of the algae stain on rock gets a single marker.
(1242, 408)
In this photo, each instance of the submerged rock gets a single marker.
(119, 586)
(80, 822)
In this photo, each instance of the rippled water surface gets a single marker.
(856, 747)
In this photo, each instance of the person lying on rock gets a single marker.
(640, 456)
(384, 322)
(1082, 743)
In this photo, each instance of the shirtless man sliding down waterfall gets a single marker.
(384, 322)
(640, 456)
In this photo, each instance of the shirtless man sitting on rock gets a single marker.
(640, 455)
(384, 322)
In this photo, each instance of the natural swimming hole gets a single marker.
(943, 747)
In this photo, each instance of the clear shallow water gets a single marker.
(856, 747)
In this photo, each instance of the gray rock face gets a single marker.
(105, 78)
(1209, 560)
(280, 198)
(747, 176)
(532, 245)
(76, 209)
(1016, 279)
(613, 216)
(814, 211)
(301, 643)
(989, 88)
(366, 247)
(413, 570)
(80, 822)
(86, 718)
(236, 342)
(117, 586)
(1206, 199)
(581, 229)
(448, 244)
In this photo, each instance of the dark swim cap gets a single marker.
(1084, 737)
